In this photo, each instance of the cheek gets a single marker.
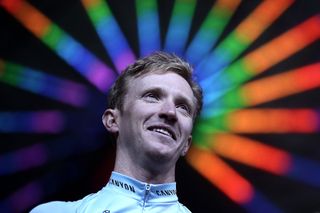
(187, 126)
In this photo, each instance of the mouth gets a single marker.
(164, 130)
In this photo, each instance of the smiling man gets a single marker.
(152, 108)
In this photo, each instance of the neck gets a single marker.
(145, 170)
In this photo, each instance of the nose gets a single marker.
(168, 111)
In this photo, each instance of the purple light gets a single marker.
(25, 197)
(31, 157)
(305, 170)
(23, 159)
(49, 122)
(261, 204)
(124, 60)
(101, 76)
(74, 93)
(30, 122)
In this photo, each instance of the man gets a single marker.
(153, 105)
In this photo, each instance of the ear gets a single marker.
(186, 146)
(110, 120)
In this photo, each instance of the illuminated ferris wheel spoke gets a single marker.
(39, 188)
(241, 37)
(179, 26)
(110, 33)
(262, 59)
(220, 174)
(229, 181)
(305, 170)
(265, 157)
(274, 87)
(44, 84)
(39, 154)
(74, 53)
(32, 122)
(252, 153)
(23, 159)
(211, 29)
(148, 26)
(266, 89)
(20, 199)
(264, 121)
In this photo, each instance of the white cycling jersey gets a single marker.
(122, 194)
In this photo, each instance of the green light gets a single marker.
(99, 12)
(237, 73)
(233, 46)
(234, 99)
(11, 74)
(53, 36)
(145, 6)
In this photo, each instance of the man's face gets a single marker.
(157, 117)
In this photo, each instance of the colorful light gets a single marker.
(109, 33)
(274, 87)
(251, 153)
(221, 175)
(305, 170)
(273, 121)
(263, 121)
(31, 122)
(40, 83)
(148, 26)
(262, 59)
(179, 26)
(21, 200)
(64, 45)
(23, 159)
(211, 29)
(239, 40)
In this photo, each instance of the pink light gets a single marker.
(124, 60)
(75, 94)
(30, 157)
(49, 122)
(101, 76)
(25, 197)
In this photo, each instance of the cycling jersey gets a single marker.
(122, 194)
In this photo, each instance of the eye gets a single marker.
(184, 108)
(151, 97)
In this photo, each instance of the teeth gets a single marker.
(163, 131)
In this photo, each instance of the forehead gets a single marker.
(170, 82)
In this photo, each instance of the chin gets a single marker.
(161, 154)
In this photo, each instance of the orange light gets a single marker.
(89, 3)
(229, 5)
(221, 175)
(261, 18)
(35, 21)
(11, 5)
(252, 153)
(308, 77)
(283, 46)
(281, 85)
(273, 121)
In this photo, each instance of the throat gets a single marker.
(151, 169)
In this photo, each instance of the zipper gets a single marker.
(146, 194)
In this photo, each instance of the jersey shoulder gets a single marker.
(56, 206)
